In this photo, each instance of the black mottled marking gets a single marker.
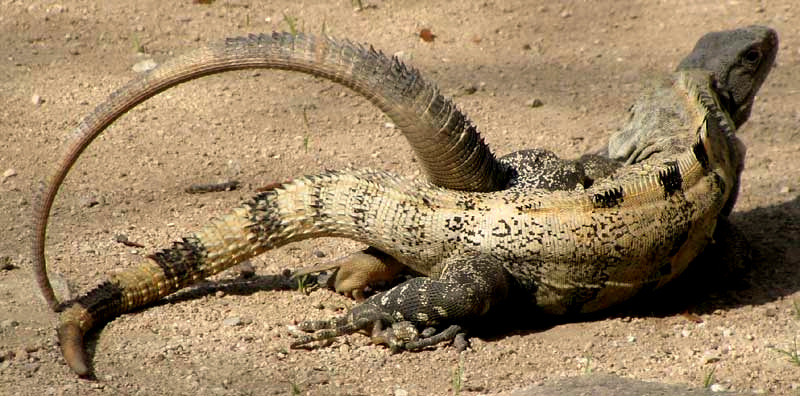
(467, 204)
(700, 153)
(454, 224)
(504, 232)
(181, 260)
(358, 212)
(102, 301)
(608, 199)
(671, 179)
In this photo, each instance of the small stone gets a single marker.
(718, 388)
(8, 323)
(631, 339)
(6, 265)
(685, 333)
(400, 392)
(727, 332)
(36, 99)
(319, 253)
(88, 201)
(534, 103)
(10, 172)
(21, 355)
(144, 66)
(710, 357)
(565, 14)
(219, 294)
(233, 321)
(786, 190)
(390, 125)
(470, 89)
(246, 269)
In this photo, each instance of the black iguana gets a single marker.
(563, 247)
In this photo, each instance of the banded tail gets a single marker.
(448, 145)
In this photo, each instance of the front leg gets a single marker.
(466, 289)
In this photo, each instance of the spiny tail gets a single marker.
(448, 145)
(306, 208)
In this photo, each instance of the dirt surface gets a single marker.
(585, 61)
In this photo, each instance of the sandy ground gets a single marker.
(584, 60)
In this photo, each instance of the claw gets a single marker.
(329, 329)
(447, 334)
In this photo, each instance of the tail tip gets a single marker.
(71, 338)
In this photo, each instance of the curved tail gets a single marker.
(448, 145)
(308, 207)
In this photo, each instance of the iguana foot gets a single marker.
(358, 270)
(466, 289)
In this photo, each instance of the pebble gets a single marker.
(144, 66)
(88, 201)
(246, 269)
(718, 388)
(10, 172)
(710, 357)
(8, 323)
(6, 265)
(786, 190)
(36, 99)
(319, 253)
(727, 332)
(534, 103)
(21, 355)
(232, 321)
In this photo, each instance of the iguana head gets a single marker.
(740, 60)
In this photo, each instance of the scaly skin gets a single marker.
(450, 149)
(564, 251)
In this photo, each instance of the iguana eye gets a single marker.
(752, 56)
